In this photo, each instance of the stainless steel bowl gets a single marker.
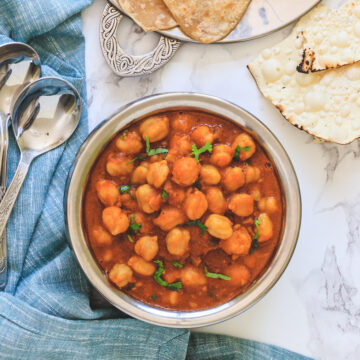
(95, 143)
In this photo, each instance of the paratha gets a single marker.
(326, 104)
(150, 15)
(207, 20)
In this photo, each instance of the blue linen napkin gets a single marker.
(45, 310)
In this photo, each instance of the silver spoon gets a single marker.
(19, 65)
(44, 116)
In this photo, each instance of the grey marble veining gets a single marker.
(315, 307)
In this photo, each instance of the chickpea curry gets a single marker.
(183, 210)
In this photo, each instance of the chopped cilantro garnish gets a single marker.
(153, 297)
(198, 184)
(164, 195)
(126, 189)
(152, 152)
(237, 151)
(134, 226)
(255, 241)
(199, 224)
(134, 159)
(123, 134)
(215, 275)
(177, 264)
(176, 286)
(246, 163)
(197, 152)
(130, 238)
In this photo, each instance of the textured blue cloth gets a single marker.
(45, 310)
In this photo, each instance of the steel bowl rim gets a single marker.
(163, 317)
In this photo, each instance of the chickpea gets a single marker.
(183, 122)
(240, 275)
(141, 266)
(173, 297)
(119, 165)
(129, 143)
(181, 144)
(108, 193)
(265, 228)
(169, 218)
(252, 174)
(210, 175)
(268, 205)
(177, 241)
(120, 275)
(147, 247)
(173, 155)
(176, 193)
(219, 226)
(241, 204)
(195, 205)
(222, 155)
(185, 171)
(245, 141)
(139, 175)
(201, 135)
(149, 199)
(216, 201)
(255, 192)
(233, 179)
(172, 275)
(155, 127)
(191, 276)
(158, 173)
(101, 236)
(115, 220)
(239, 243)
(129, 202)
(144, 221)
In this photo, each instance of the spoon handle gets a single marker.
(4, 143)
(9, 199)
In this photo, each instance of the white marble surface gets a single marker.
(314, 309)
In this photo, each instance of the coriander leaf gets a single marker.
(147, 141)
(215, 275)
(255, 241)
(177, 264)
(198, 184)
(176, 286)
(164, 195)
(134, 226)
(134, 159)
(153, 297)
(152, 152)
(246, 163)
(122, 136)
(130, 238)
(237, 153)
(197, 152)
(126, 189)
(199, 224)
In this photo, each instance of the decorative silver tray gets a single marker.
(261, 18)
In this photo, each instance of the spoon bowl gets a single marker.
(45, 115)
(19, 65)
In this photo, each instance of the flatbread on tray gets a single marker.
(326, 104)
(207, 20)
(333, 40)
(150, 15)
